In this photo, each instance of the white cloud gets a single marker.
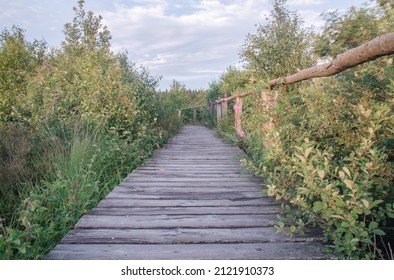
(190, 40)
(312, 19)
(206, 36)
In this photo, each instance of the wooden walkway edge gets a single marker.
(191, 200)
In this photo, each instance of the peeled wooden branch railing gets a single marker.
(378, 47)
(194, 111)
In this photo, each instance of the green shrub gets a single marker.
(327, 156)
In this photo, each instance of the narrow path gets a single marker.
(191, 200)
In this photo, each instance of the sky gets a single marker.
(191, 41)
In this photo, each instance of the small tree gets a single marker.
(233, 80)
(86, 31)
(352, 29)
(18, 61)
(279, 47)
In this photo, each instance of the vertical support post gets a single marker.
(224, 109)
(238, 116)
(270, 99)
(179, 113)
(194, 116)
(218, 112)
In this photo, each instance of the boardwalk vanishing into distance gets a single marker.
(190, 200)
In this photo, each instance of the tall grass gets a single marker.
(84, 169)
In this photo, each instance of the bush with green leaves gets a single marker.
(279, 47)
(326, 148)
(19, 60)
(78, 120)
(169, 102)
(329, 160)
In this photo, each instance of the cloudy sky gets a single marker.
(191, 41)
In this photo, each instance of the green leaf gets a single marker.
(345, 224)
(317, 206)
(373, 225)
(340, 203)
(376, 202)
(354, 240)
(379, 232)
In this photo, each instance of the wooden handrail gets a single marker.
(378, 47)
(198, 106)
(234, 96)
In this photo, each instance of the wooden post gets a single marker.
(194, 116)
(224, 109)
(218, 112)
(179, 113)
(238, 116)
(270, 99)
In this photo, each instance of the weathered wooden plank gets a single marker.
(198, 187)
(183, 191)
(244, 210)
(222, 179)
(248, 251)
(183, 221)
(185, 174)
(229, 185)
(216, 167)
(181, 236)
(124, 202)
(184, 196)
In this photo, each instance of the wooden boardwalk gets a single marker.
(191, 200)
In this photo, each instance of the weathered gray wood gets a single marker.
(191, 200)
(168, 188)
(240, 203)
(245, 210)
(248, 251)
(183, 221)
(190, 184)
(183, 196)
(181, 236)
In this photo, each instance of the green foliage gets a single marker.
(345, 31)
(326, 148)
(233, 80)
(86, 167)
(18, 62)
(85, 32)
(169, 102)
(279, 47)
(73, 124)
(213, 92)
(327, 156)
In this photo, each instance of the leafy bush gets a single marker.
(76, 122)
(86, 167)
(326, 147)
(330, 162)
